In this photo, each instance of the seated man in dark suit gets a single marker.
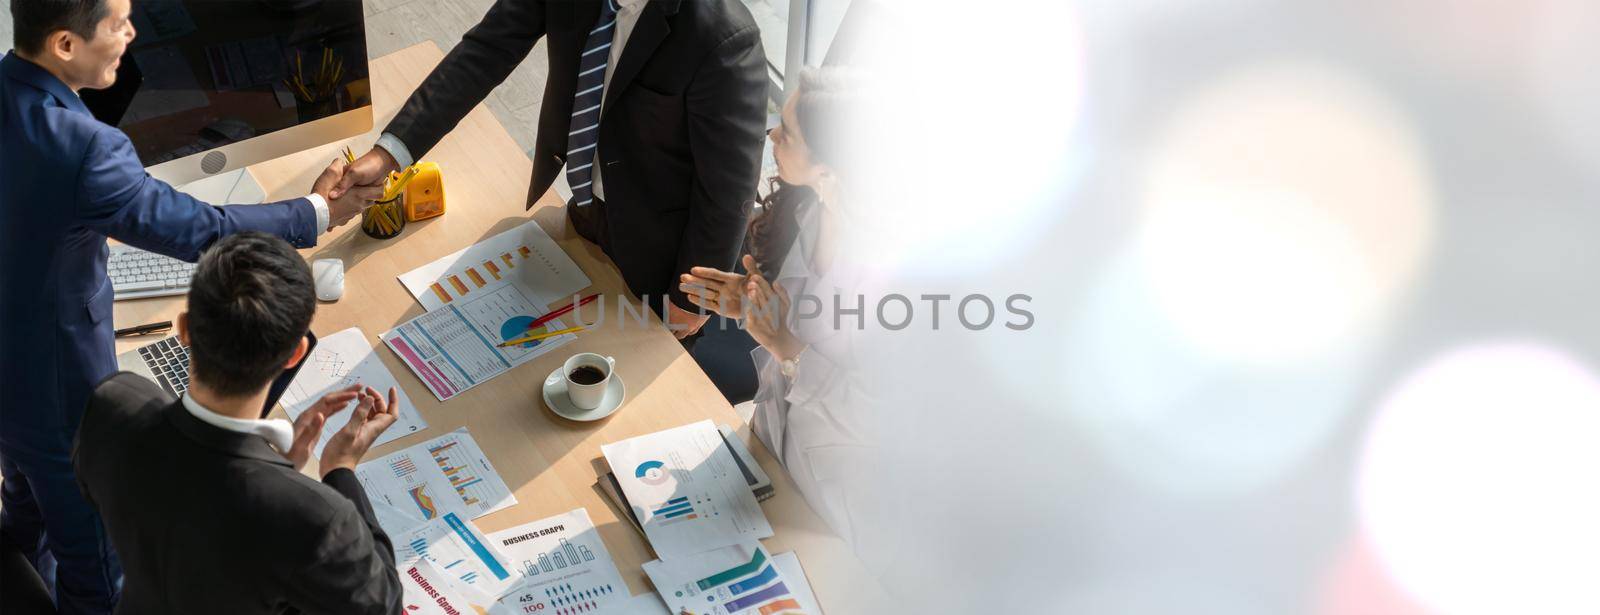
(201, 497)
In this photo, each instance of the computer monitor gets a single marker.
(209, 86)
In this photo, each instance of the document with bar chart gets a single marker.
(443, 475)
(564, 567)
(468, 562)
(525, 257)
(738, 580)
(456, 348)
(686, 490)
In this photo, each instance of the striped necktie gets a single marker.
(585, 126)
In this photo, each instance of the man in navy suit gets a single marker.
(67, 182)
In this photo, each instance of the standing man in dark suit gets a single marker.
(67, 182)
(203, 498)
(656, 109)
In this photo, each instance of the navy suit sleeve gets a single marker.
(119, 199)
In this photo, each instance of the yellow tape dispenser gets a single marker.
(425, 193)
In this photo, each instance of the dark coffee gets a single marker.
(587, 374)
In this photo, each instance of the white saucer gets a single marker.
(555, 398)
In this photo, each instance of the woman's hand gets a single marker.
(718, 291)
(766, 316)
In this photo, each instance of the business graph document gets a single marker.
(643, 604)
(443, 475)
(563, 565)
(468, 562)
(455, 348)
(525, 257)
(338, 361)
(393, 519)
(795, 577)
(737, 580)
(425, 591)
(686, 490)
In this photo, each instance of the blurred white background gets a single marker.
(1316, 294)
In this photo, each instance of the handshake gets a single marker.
(350, 188)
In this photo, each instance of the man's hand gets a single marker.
(344, 207)
(368, 170)
(309, 425)
(371, 417)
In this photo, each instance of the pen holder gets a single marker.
(384, 219)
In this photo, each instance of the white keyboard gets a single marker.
(136, 273)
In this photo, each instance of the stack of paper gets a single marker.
(686, 490)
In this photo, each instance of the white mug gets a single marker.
(588, 396)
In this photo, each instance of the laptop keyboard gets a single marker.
(169, 361)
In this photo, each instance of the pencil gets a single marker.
(539, 336)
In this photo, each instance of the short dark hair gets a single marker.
(35, 20)
(250, 303)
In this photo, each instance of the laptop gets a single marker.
(167, 363)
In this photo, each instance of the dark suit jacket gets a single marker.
(680, 132)
(67, 182)
(213, 521)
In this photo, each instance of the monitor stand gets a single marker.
(231, 188)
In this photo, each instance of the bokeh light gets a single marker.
(1562, 76)
(1358, 584)
(1285, 207)
(1477, 482)
(974, 154)
(1181, 422)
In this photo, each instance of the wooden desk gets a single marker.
(546, 460)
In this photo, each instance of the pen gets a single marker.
(154, 327)
(349, 156)
(538, 336)
(539, 322)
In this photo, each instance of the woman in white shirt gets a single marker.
(811, 412)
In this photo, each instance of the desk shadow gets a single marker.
(355, 246)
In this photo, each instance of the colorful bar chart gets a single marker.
(752, 599)
(402, 467)
(458, 471)
(676, 509)
(478, 277)
(786, 604)
(722, 578)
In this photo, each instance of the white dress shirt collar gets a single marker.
(277, 432)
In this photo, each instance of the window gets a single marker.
(795, 33)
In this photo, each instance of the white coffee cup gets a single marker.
(588, 396)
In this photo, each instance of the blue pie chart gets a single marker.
(515, 327)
